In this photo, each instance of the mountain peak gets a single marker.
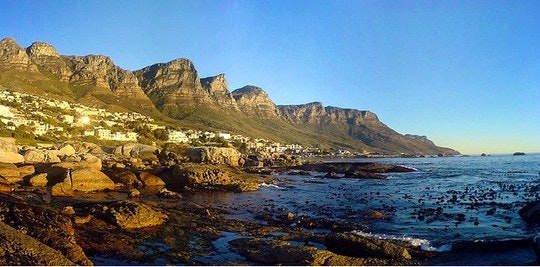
(254, 101)
(38, 49)
(8, 41)
(14, 56)
(218, 89)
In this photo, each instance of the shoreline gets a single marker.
(155, 207)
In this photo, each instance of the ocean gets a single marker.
(445, 202)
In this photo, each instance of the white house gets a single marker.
(177, 137)
(225, 136)
(5, 112)
(104, 134)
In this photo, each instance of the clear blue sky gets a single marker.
(464, 73)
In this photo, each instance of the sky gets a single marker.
(464, 73)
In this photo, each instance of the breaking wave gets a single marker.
(415, 242)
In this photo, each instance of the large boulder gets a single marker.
(127, 178)
(9, 151)
(83, 180)
(33, 156)
(136, 150)
(214, 155)
(129, 214)
(208, 176)
(57, 171)
(85, 147)
(149, 179)
(52, 156)
(66, 150)
(38, 180)
(9, 173)
(361, 246)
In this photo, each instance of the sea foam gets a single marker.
(415, 242)
(272, 185)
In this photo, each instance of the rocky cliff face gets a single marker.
(173, 85)
(362, 125)
(254, 101)
(14, 56)
(97, 73)
(218, 89)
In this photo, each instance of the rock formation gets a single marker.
(14, 56)
(128, 214)
(254, 101)
(173, 84)
(218, 90)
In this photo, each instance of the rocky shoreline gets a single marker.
(81, 204)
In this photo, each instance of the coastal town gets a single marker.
(51, 120)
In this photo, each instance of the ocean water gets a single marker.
(445, 202)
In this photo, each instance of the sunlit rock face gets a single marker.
(254, 101)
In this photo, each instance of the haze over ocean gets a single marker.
(464, 73)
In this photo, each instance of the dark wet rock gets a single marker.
(364, 175)
(45, 225)
(519, 154)
(276, 252)
(128, 214)
(332, 175)
(369, 170)
(301, 173)
(17, 248)
(530, 212)
(360, 246)
(376, 215)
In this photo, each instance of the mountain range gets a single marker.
(174, 93)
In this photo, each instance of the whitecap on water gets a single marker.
(272, 186)
(415, 242)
